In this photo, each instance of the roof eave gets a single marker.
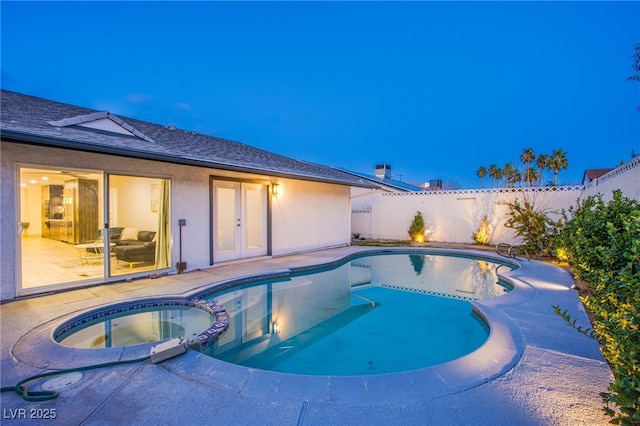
(379, 183)
(31, 139)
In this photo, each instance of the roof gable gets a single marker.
(103, 121)
(592, 174)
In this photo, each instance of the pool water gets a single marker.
(374, 315)
(140, 326)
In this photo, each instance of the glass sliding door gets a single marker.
(62, 216)
(59, 225)
(139, 224)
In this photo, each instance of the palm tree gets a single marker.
(542, 164)
(508, 171)
(482, 172)
(511, 175)
(495, 173)
(499, 176)
(558, 161)
(636, 66)
(527, 157)
(531, 176)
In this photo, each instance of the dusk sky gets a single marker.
(435, 89)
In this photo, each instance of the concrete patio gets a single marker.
(535, 371)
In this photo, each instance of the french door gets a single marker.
(239, 220)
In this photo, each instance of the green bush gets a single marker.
(483, 234)
(536, 230)
(602, 241)
(417, 230)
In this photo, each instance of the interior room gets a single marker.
(62, 220)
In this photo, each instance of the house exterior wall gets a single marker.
(306, 213)
(306, 216)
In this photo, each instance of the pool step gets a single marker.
(287, 348)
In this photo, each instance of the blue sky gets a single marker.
(435, 89)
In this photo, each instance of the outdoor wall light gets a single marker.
(275, 327)
(276, 189)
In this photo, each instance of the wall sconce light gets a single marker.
(275, 327)
(276, 189)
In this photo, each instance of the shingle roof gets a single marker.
(592, 174)
(33, 120)
(391, 183)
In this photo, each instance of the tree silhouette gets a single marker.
(636, 66)
(557, 162)
(527, 157)
(511, 175)
(496, 174)
(542, 164)
(481, 173)
(531, 176)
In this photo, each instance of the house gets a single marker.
(590, 175)
(89, 197)
(383, 180)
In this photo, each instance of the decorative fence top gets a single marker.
(616, 172)
(486, 191)
(366, 209)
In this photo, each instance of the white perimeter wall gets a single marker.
(450, 216)
(625, 178)
(453, 216)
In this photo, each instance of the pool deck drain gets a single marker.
(554, 378)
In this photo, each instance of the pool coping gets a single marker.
(502, 350)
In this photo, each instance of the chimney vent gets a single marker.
(383, 171)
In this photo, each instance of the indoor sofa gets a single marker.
(135, 246)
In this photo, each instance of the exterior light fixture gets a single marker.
(275, 327)
(276, 189)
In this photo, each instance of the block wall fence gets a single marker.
(455, 215)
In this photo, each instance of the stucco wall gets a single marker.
(625, 178)
(451, 216)
(306, 216)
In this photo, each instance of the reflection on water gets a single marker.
(418, 263)
(445, 276)
(373, 315)
(135, 328)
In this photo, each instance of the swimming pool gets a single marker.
(372, 314)
(375, 314)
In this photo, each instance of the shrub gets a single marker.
(602, 241)
(483, 234)
(536, 230)
(417, 230)
(594, 236)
